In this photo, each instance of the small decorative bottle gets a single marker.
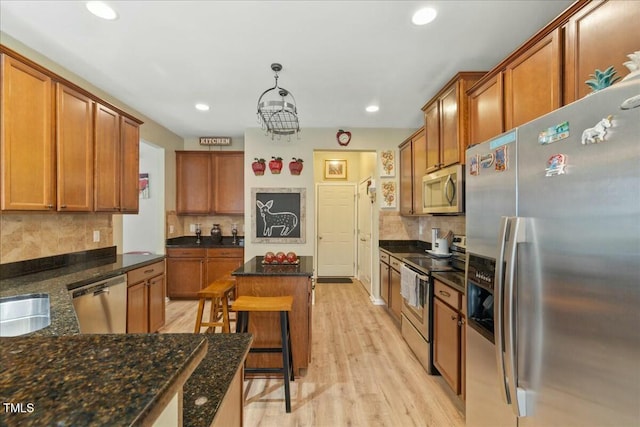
(216, 233)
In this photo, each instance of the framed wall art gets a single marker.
(389, 195)
(335, 169)
(387, 163)
(278, 215)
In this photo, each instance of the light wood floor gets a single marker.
(361, 374)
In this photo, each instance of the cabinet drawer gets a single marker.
(384, 257)
(447, 294)
(395, 263)
(225, 253)
(143, 273)
(186, 253)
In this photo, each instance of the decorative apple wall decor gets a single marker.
(259, 166)
(295, 166)
(275, 165)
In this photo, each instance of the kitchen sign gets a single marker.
(215, 140)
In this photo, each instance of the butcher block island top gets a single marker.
(271, 280)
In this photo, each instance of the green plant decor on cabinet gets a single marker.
(602, 79)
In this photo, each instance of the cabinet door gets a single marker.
(446, 347)
(185, 277)
(532, 82)
(74, 147)
(28, 163)
(107, 160)
(406, 179)
(432, 127)
(156, 303)
(449, 149)
(129, 176)
(419, 149)
(220, 267)
(486, 111)
(193, 174)
(228, 183)
(599, 35)
(384, 283)
(463, 358)
(137, 308)
(394, 293)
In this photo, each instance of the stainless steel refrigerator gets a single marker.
(553, 272)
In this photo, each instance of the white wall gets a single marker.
(259, 145)
(145, 231)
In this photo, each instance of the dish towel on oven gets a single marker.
(409, 286)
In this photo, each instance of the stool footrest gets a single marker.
(264, 371)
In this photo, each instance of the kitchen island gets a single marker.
(257, 279)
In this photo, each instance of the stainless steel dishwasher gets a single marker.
(101, 307)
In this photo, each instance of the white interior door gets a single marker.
(365, 212)
(336, 230)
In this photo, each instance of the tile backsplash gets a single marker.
(26, 236)
(181, 224)
(393, 226)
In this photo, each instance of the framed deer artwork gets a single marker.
(278, 215)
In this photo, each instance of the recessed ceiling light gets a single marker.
(424, 16)
(202, 107)
(372, 108)
(102, 10)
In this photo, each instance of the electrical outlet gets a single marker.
(171, 230)
(96, 236)
(192, 228)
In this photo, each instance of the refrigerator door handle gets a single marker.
(498, 307)
(516, 235)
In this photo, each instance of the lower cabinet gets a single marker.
(448, 336)
(191, 269)
(390, 284)
(146, 298)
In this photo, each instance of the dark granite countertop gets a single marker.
(207, 386)
(205, 242)
(85, 380)
(254, 267)
(403, 248)
(58, 282)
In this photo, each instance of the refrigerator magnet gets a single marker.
(486, 160)
(473, 165)
(556, 165)
(554, 134)
(501, 158)
(597, 133)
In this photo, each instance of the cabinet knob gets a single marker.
(63, 206)
(454, 317)
(49, 206)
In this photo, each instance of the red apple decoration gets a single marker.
(281, 257)
(269, 257)
(292, 257)
(275, 165)
(259, 166)
(295, 166)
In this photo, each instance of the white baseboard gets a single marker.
(377, 301)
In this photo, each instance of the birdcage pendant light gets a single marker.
(277, 111)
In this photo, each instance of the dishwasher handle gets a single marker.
(99, 288)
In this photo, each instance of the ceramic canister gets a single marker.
(442, 246)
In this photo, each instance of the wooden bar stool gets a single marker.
(218, 292)
(243, 305)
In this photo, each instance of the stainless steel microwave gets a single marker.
(443, 191)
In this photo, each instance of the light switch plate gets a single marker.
(96, 236)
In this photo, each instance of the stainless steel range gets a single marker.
(417, 293)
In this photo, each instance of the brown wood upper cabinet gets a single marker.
(74, 149)
(446, 122)
(62, 149)
(413, 165)
(550, 69)
(210, 182)
(28, 138)
(599, 35)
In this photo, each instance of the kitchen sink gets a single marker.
(23, 314)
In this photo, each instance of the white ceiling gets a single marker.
(162, 57)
